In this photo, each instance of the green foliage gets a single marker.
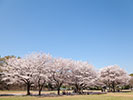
(131, 74)
(3, 59)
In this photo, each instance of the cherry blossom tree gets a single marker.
(113, 77)
(82, 75)
(27, 70)
(59, 72)
(41, 62)
(19, 71)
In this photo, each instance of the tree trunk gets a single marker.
(40, 89)
(76, 88)
(113, 86)
(28, 88)
(39, 92)
(58, 90)
(58, 87)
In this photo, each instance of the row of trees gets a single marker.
(39, 69)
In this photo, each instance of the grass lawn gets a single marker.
(109, 96)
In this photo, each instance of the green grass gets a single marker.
(109, 96)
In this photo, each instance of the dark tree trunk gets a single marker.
(58, 87)
(40, 89)
(28, 88)
(58, 90)
(39, 92)
(77, 89)
(113, 87)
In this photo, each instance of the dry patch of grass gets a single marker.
(130, 94)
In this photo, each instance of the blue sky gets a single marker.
(97, 31)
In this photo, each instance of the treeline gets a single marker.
(39, 70)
